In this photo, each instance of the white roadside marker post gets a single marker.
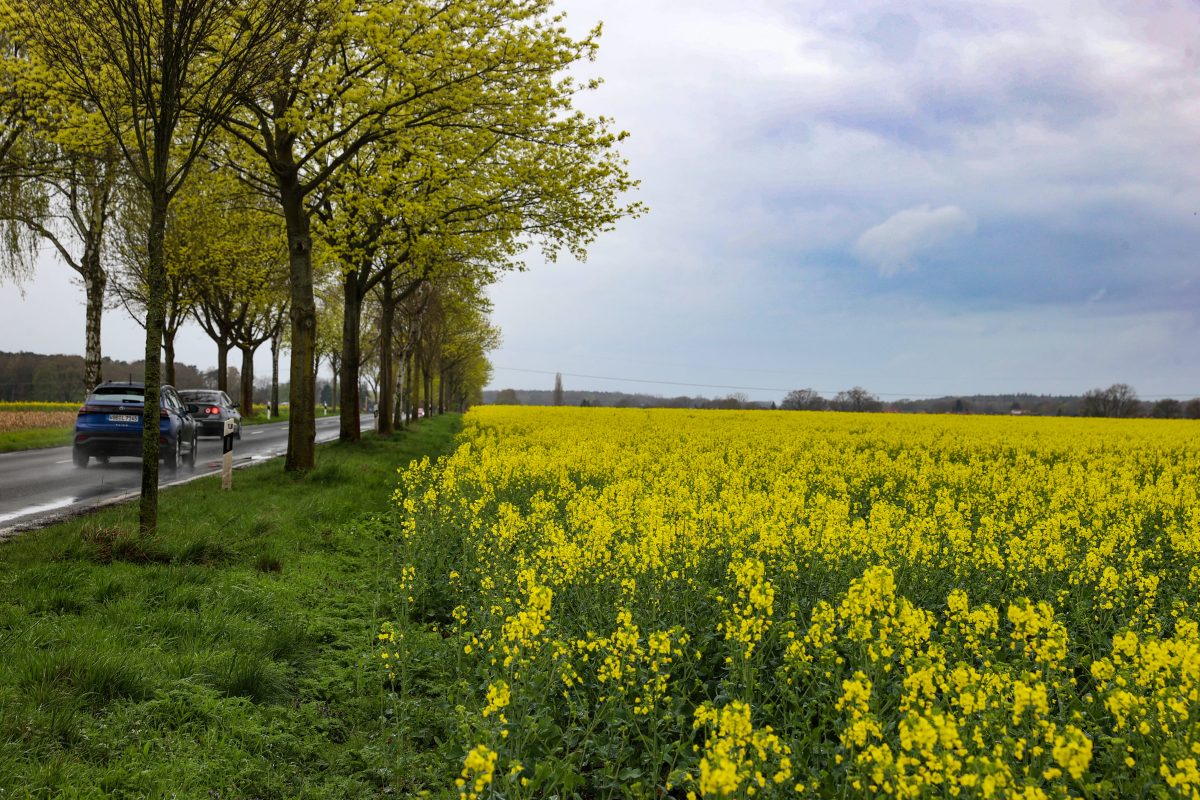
(227, 458)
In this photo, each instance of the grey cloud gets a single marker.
(893, 245)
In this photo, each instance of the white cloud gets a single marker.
(894, 244)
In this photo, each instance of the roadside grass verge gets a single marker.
(34, 438)
(231, 655)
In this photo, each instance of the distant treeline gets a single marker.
(31, 376)
(1116, 401)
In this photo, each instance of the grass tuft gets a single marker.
(249, 675)
(204, 552)
(269, 561)
(288, 641)
(109, 589)
(105, 544)
(93, 678)
(328, 474)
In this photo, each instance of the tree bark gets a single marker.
(427, 385)
(276, 342)
(94, 282)
(168, 343)
(403, 388)
(335, 367)
(156, 281)
(351, 357)
(223, 366)
(247, 381)
(386, 380)
(302, 421)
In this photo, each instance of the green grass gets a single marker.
(33, 438)
(231, 655)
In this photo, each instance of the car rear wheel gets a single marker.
(80, 458)
(173, 459)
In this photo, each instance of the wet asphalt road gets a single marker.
(39, 486)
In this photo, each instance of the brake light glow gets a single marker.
(212, 410)
(99, 409)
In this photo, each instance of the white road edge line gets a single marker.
(25, 512)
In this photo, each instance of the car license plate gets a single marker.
(123, 418)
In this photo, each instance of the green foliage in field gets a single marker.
(719, 604)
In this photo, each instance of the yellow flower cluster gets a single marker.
(906, 606)
(737, 757)
(750, 615)
(479, 769)
(389, 654)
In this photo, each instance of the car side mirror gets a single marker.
(233, 405)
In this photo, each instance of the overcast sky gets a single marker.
(919, 198)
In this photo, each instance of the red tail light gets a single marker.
(162, 412)
(212, 410)
(109, 408)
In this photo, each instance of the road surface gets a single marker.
(40, 486)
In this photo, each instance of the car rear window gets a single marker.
(117, 394)
(205, 397)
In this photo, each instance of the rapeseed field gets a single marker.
(735, 604)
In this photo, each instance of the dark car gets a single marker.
(210, 408)
(110, 424)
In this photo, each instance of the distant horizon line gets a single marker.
(898, 395)
(829, 395)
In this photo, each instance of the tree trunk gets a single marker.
(168, 357)
(302, 420)
(276, 343)
(427, 374)
(351, 356)
(410, 389)
(403, 387)
(247, 381)
(335, 368)
(94, 283)
(441, 404)
(386, 380)
(223, 366)
(398, 387)
(156, 282)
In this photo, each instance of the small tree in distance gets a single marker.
(1167, 408)
(856, 399)
(803, 400)
(507, 397)
(558, 389)
(1118, 400)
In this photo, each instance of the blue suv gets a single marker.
(110, 424)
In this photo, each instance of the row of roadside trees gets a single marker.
(324, 176)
